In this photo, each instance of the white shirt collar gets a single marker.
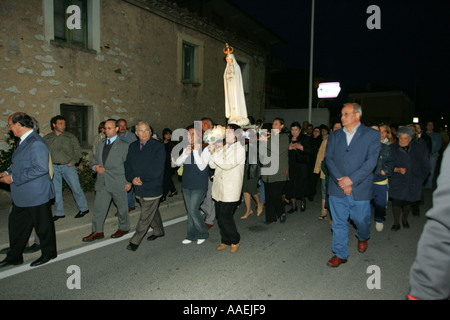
(25, 135)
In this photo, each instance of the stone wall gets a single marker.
(135, 75)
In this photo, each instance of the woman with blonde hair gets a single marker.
(385, 129)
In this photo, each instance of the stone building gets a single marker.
(138, 60)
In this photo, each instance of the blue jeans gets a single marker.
(130, 196)
(196, 228)
(70, 175)
(342, 209)
(262, 195)
(433, 163)
(380, 201)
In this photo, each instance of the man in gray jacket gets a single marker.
(111, 184)
(430, 272)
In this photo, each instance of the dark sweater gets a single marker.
(193, 178)
(147, 164)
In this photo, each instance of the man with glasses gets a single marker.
(351, 157)
(31, 192)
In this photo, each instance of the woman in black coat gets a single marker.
(299, 165)
(411, 169)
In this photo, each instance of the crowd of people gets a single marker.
(353, 166)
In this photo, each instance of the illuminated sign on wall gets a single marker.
(328, 90)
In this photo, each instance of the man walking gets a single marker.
(31, 191)
(351, 157)
(111, 184)
(436, 145)
(65, 151)
(129, 137)
(144, 167)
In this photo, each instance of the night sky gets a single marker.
(409, 52)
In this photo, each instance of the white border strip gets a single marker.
(70, 254)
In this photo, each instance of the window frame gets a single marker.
(92, 28)
(69, 34)
(190, 77)
(83, 138)
(196, 79)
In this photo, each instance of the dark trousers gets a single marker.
(274, 200)
(168, 185)
(150, 217)
(397, 207)
(20, 225)
(224, 215)
(380, 201)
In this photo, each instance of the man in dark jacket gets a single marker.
(144, 168)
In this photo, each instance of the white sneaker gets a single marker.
(186, 241)
(379, 226)
(200, 241)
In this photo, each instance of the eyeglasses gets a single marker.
(345, 114)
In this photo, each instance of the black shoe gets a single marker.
(56, 218)
(81, 214)
(395, 227)
(405, 225)
(303, 206)
(153, 237)
(162, 199)
(292, 210)
(33, 248)
(5, 250)
(42, 260)
(173, 194)
(283, 218)
(132, 247)
(7, 262)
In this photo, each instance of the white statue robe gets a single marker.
(235, 107)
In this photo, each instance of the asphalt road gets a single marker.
(275, 262)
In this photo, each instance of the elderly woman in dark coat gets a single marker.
(300, 157)
(411, 169)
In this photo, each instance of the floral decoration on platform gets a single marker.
(216, 134)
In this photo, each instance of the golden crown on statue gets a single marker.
(227, 50)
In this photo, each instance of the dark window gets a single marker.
(188, 62)
(76, 122)
(62, 32)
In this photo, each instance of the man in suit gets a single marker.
(144, 167)
(351, 157)
(111, 184)
(31, 192)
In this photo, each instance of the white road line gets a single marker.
(72, 253)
